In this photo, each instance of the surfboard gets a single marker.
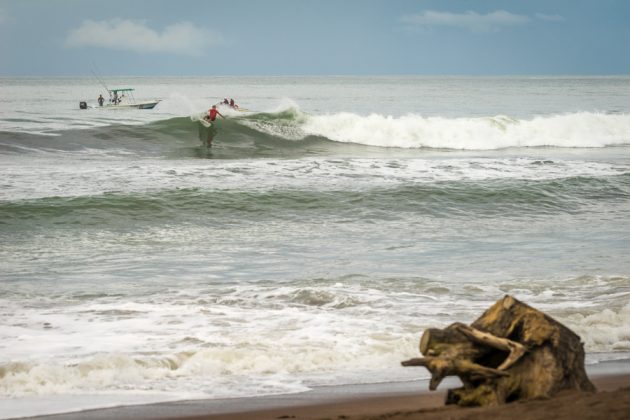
(202, 119)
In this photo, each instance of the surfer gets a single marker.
(100, 100)
(212, 113)
(211, 116)
(233, 104)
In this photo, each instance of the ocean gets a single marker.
(326, 228)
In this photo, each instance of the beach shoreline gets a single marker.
(385, 400)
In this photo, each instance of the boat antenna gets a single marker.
(99, 79)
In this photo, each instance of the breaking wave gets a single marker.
(293, 133)
(583, 129)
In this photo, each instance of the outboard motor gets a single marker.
(82, 105)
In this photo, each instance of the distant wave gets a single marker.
(293, 133)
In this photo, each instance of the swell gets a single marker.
(446, 199)
(151, 139)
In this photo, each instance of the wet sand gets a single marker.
(389, 401)
(612, 401)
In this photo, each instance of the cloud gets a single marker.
(472, 21)
(179, 38)
(550, 18)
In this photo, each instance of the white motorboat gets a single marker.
(122, 98)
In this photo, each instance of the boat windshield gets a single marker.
(116, 95)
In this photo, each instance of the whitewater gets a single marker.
(325, 229)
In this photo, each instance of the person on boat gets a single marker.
(100, 100)
(233, 104)
(115, 99)
(212, 113)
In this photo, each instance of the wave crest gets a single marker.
(294, 133)
(582, 129)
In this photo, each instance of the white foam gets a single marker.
(606, 330)
(198, 342)
(240, 340)
(582, 129)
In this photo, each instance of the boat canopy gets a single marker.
(121, 90)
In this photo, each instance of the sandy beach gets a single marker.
(409, 400)
(612, 401)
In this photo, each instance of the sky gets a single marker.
(314, 37)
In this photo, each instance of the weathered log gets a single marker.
(511, 352)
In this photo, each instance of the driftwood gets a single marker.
(512, 352)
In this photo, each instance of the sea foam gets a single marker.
(582, 129)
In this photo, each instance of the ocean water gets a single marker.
(325, 229)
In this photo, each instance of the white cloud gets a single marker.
(551, 18)
(179, 38)
(473, 21)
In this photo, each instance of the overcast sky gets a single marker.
(312, 37)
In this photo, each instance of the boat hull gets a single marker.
(147, 105)
(137, 105)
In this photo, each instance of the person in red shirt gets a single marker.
(212, 113)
